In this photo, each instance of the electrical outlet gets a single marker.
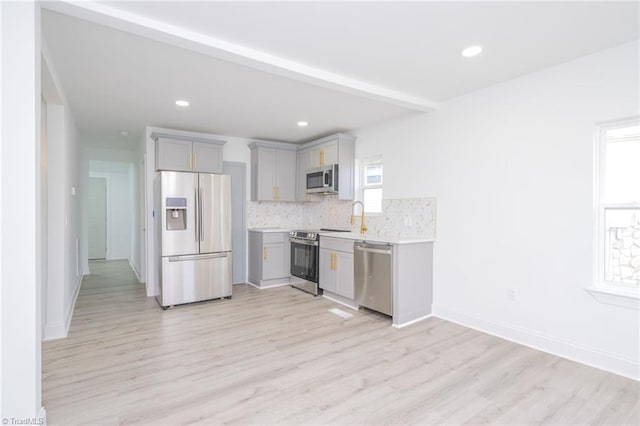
(512, 294)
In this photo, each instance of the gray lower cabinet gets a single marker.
(188, 154)
(412, 282)
(269, 258)
(411, 276)
(336, 266)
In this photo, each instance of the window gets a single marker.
(372, 186)
(618, 208)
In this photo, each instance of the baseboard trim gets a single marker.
(405, 324)
(54, 331)
(42, 415)
(72, 306)
(264, 287)
(562, 348)
(335, 298)
(135, 271)
(60, 329)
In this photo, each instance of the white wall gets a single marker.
(43, 207)
(120, 210)
(64, 233)
(511, 167)
(135, 200)
(73, 273)
(20, 322)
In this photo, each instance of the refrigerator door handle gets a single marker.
(197, 257)
(200, 215)
(197, 216)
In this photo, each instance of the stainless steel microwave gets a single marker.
(323, 180)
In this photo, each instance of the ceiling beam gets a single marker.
(182, 37)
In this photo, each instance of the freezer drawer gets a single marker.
(187, 279)
(373, 286)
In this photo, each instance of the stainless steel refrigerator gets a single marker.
(193, 237)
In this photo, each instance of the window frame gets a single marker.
(620, 294)
(372, 161)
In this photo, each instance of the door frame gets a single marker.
(245, 242)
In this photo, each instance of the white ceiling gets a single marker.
(354, 64)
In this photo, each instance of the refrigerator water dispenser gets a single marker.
(176, 214)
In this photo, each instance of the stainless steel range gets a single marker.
(305, 255)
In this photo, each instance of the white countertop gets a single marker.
(376, 239)
(265, 230)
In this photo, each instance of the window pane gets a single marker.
(373, 174)
(373, 200)
(622, 168)
(622, 246)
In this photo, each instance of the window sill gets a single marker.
(613, 295)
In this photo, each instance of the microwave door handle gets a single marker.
(325, 178)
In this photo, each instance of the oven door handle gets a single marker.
(303, 242)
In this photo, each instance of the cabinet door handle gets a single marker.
(195, 162)
(278, 191)
(264, 253)
(321, 157)
(273, 192)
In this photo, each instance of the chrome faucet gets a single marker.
(363, 227)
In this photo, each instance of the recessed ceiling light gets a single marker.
(302, 123)
(182, 103)
(124, 133)
(471, 51)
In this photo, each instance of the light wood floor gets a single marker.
(279, 357)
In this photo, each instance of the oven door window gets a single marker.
(304, 261)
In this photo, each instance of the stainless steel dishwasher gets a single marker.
(373, 276)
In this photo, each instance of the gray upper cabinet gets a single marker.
(335, 149)
(188, 154)
(325, 153)
(173, 154)
(207, 157)
(304, 164)
(273, 171)
(286, 174)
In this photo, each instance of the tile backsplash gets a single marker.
(404, 218)
(400, 218)
(270, 214)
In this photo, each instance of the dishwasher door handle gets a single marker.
(372, 250)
